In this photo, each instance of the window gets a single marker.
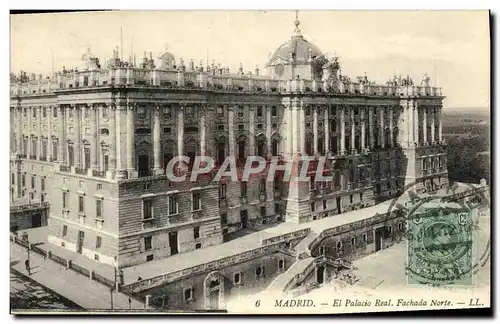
(81, 207)
(99, 186)
(147, 209)
(262, 185)
(281, 264)
(241, 112)
(197, 246)
(277, 208)
(32, 196)
(313, 207)
(54, 112)
(313, 182)
(222, 191)
(65, 230)
(196, 232)
(361, 196)
(172, 205)
(23, 180)
(351, 199)
(13, 178)
(259, 111)
(220, 111)
(243, 186)
(339, 246)
(237, 278)
(389, 229)
(353, 241)
(167, 112)
(34, 112)
(167, 130)
(65, 200)
(223, 219)
(150, 257)
(98, 242)
(196, 201)
(274, 111)
(148, 243)
(32, 182)
(96, 257)
(42, 184)
(42, 197)
(322, 250)
(263, 211)
(259, 271)
(308, 111)
(274, 125)
(220, 127)
(365, 238)
(260, 126)
(98, 208)
(324, 204)
(188, 294)
(241, 126)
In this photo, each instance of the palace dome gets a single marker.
(302, 49)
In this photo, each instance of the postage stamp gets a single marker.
(440, 244)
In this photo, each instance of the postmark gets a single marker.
(439, 246)
(445, 243)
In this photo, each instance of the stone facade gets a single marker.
(96, 143)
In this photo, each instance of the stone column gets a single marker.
(301, 125)
(19, 131)
(353, 132)
(231, 131)
(289, 127)
(326, 123)
(433, 124)
(363, 131)
(62, 145)
(112, 154)
(391, 126)
(78, 136)
(130, 138)
(94, 130)
(415, 122)
(29, 114)
(382, 130)
(370, 127)
(342, 130)
(121, 141)
(251, 139)
(295, 126)
(268, 129)
(424, 123)
(440, 123)
(49, 133)
(39, 133)
(180, 131)
(411, 133)
(315, 130)
(157, 140)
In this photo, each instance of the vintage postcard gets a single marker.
(249, 162)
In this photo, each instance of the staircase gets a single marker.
(295, 272)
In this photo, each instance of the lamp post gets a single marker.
(27, 263)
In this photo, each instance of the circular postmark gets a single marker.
(441, 229)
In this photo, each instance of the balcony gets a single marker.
(64, 168)
(145, 173)
(99, 174)
(81, 171)
(32, 157)
(43, 158)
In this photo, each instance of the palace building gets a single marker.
(95, 141)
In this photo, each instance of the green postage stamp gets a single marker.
(440, 244)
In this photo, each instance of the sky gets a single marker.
(452, 47)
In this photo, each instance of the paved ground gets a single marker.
(87, 293)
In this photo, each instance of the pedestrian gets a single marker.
(129, 303)
(27, 264)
